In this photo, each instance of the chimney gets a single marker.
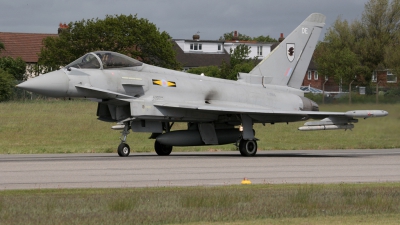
(196, 37)
(235, 36)
(281, 38)
(62, 27)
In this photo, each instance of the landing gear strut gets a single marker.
(123, 148)
(248, 143)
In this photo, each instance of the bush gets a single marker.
(209, 71)
(6, 85)
(15, 67)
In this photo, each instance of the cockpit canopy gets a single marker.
(104, 60)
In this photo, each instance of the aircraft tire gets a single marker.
(161, 149)
(124, 150)
(248, 147)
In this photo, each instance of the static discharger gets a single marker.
(245, 181)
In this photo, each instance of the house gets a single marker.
(194, 52)
(257, 49)
(313, 79)
(384, 78)
(197, 53)
(24, 45)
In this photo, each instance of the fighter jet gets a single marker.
(145, 98)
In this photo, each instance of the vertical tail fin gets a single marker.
(287, 64)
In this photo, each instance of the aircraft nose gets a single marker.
(53, 84)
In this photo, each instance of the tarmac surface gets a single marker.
(197, 168)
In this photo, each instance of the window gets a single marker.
(219, 47)
(315, 75)
(259, 50)
(196, 47)
(391, 78)
(309, 75)
(374, 76)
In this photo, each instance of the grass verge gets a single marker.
(72, 127)
(253, 204)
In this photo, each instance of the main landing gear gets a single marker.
(161, 149)
(248, 147)
(247, 144)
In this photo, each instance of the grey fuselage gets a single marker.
(186, 89)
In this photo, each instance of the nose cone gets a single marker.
(53, 84)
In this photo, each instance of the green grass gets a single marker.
(386, 219)
(72, 127)
(246, 204)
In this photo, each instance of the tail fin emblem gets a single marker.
(290, 52)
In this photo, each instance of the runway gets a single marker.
(197, 169)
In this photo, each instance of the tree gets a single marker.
(334, 56)
(380, 21)
(1, 46)
(364, 45)
(129, 35)
(229, 37)
(239, 62)
(265, 39)
(244, 67)
(15, 67)
(6, 84)
(242, 37)
(210, 71)
(240, 55)
(392, 56)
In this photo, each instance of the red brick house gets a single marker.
(314, 79)
(385, 78)
(24, 45)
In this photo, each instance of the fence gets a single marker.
(358, 95)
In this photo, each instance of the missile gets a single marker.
(327, 127)
(193, 137)
(366, 113)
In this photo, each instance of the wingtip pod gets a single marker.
(366, 113)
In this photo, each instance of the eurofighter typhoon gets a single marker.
(145, 98)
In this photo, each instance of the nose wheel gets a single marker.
(124, 150)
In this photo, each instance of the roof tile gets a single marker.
(24, 45)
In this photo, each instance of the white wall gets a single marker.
(212, 47)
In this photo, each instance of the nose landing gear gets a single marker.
(123, 148)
